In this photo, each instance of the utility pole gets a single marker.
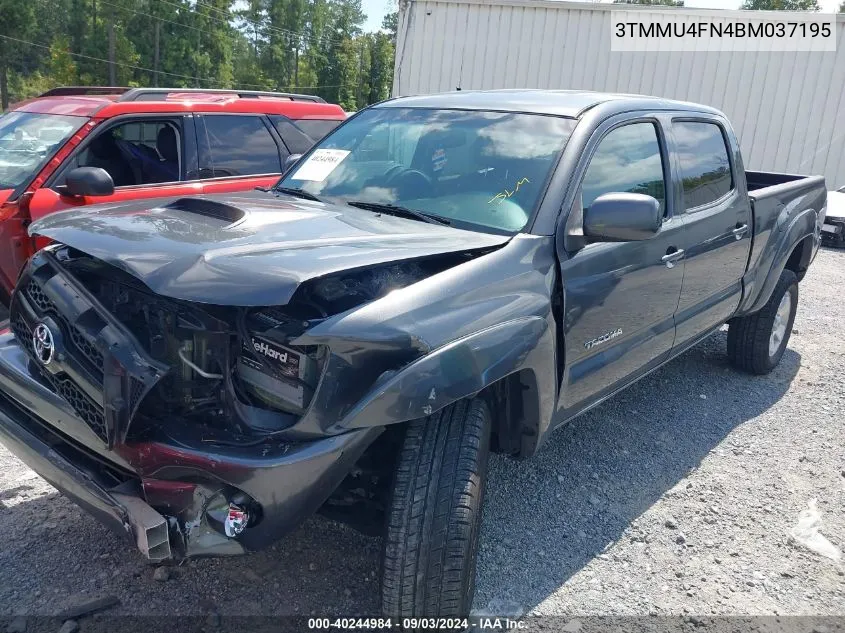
(157, 53)
(112, 67)
(360, 76)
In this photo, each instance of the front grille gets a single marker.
(80, 340)
(23, 334)
(85, 408)
(38, 298)
(87, 340)
(94, 356)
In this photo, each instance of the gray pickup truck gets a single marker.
(441, 277)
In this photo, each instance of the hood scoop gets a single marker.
(207, 208)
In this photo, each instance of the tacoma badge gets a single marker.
(604, 338)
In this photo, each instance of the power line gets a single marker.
(105, 61)
(154, 17)
(164, 72)
(272, 28)
(228, 17)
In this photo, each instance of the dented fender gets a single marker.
(459, 370)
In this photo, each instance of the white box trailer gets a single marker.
(788, 108)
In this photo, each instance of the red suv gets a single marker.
(74, 146)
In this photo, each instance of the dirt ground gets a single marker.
(677, 497)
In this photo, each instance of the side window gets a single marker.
(317, 128)
(297, 141)
(705, 167)
(240, 146)
(139, 152)
(627, 160)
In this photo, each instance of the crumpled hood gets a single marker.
(257, 251)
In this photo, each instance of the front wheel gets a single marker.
(434, 514)
(757, 342)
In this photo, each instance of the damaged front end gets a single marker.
(189, 420)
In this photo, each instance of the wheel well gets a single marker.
(514, 405)
(799, 258)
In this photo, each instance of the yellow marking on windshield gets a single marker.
(507, 194)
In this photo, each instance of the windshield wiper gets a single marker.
(401, 212)
(298, 193)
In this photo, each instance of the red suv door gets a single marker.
(147, 156)
(238, 152)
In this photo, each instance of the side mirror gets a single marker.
(290, 161)
(622, 217)
(87, 181)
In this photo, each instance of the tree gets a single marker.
(842, 7)
(781, 5)
(665, 3)
(16, 20)
(390, 24)
(62, 68)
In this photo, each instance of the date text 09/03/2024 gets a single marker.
(416, 624)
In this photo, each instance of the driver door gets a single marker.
(620, 298)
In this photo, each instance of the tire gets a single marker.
(434, 514)
(751, 344)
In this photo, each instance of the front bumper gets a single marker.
(833, 232)
(184, 484)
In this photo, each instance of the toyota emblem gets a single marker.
(42, 343)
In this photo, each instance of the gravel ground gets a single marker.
(675, 498)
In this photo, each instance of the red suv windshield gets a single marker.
(28, 141)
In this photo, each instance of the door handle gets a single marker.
(740, 230)
(670, 258)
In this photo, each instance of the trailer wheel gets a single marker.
(757, 342)
(434, 513)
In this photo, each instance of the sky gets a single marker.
(377, 9)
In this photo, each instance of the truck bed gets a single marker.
(763, 179)
(777, 200)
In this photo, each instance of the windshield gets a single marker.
(478, 170)
(28, 141)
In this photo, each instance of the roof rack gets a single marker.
(157, 94)
(66, 91)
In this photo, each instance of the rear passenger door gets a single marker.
(718, 224)
(238, 152)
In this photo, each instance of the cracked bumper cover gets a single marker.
(186, 485)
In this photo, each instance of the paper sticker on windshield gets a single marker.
(438, 159)
(320, 164)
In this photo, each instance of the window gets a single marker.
(240, 146)
(301, 134)
(480, 170)
(705, 167)
(28, 141)
(296, 140)
(317, 128)
(627, 160)
(139, 152)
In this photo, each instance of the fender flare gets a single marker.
(461, 369)
(800, 228)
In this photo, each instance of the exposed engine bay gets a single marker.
(234, 370)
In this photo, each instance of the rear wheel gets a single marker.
(757, 342)
(434, 514)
